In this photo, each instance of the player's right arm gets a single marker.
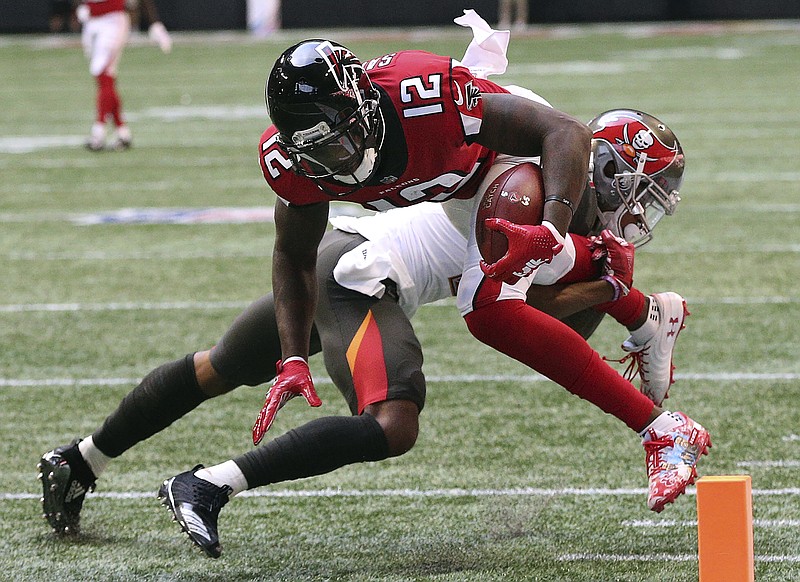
(298, 231)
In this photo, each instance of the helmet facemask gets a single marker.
(346, 152)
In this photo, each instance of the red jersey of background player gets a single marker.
(100, 7)
(431, 109)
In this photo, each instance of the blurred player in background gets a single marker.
(106, 29)
(512, 12)
(63, 17)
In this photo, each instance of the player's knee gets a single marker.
(399, 420)
(481, 322)
(209, 380)
(401, 439)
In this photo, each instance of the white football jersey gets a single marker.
(417, 247)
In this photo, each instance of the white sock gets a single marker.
(227, 473)
(124, 132)
(94, 457)
(648, 329)
(98, 131)
(664, 422)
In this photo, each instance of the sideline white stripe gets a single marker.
(463, 379)
(415, 493)
(412, 493)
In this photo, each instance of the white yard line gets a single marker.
(459, 378)
(203, 305)
(589, 557)
(450, 493)
(780, 464)
(123, 306)
(137, 255)
(764, 523)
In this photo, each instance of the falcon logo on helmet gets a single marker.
(340, 63)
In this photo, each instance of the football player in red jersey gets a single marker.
(400, 129)
(411, 126)
(106, 29)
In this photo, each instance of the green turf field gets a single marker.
(512, 478)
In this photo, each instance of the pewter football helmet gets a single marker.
(635, 171)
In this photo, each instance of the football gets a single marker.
(517, 195)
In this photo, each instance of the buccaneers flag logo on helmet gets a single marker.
(632, 139)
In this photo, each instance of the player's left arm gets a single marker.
(561, 300)
(514, 125)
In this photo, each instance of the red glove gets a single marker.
(529, 247)
(293, 379)
(617, 254)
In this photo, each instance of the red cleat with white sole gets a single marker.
(672, 458)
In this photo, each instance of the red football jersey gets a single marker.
(100, 7)
(431, 107)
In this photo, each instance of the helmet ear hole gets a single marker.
(609, 170)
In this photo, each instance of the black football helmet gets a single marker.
(635, 171)
(326, 111)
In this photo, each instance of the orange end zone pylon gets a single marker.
(725, 528)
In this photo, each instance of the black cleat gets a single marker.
(65, 477)
(195, 504)
(94, 145)
(120, 145)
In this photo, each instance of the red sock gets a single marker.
(556, 351)
(108, 102)
(625, 309)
